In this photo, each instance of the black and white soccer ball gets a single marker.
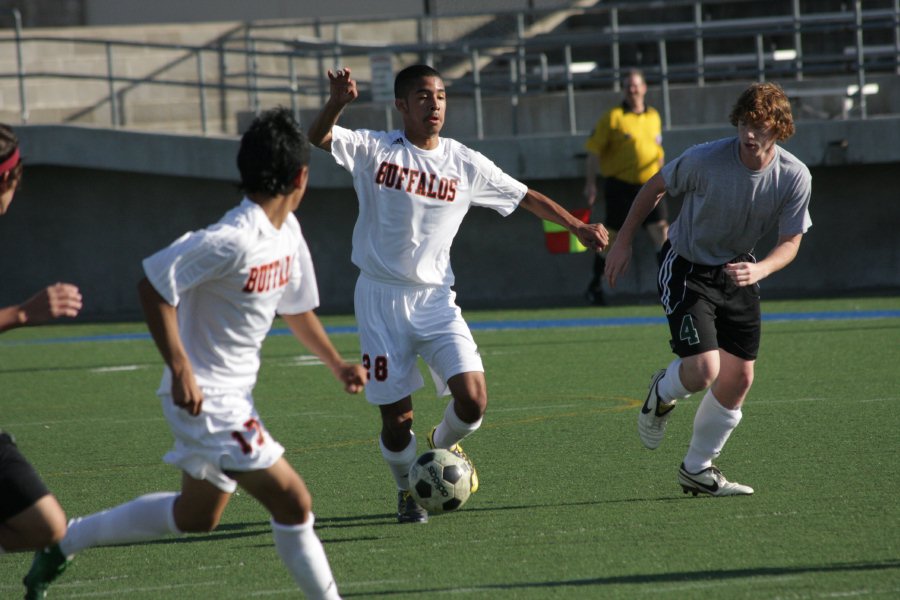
(440, 481)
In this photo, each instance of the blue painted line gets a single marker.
(517, 324)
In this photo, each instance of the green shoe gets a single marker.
(48, 564)
(457, 450)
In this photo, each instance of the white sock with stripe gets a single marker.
(400, 462)
(670, 386)
(452, 429)
(713, 425)
(302, 553)
(146, 518)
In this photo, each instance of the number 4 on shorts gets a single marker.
(687, 332)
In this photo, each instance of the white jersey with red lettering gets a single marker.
(228, 282)
(412, 201)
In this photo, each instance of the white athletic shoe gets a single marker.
(654, 414)
(710, 481)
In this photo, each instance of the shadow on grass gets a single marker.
(682, 576)
(231, 531)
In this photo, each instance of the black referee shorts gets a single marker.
(619, 196)
(706, 310)
(20, 486)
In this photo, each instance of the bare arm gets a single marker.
(784, 252)
(58, 300)
(343, 92)
(592, 235)
(620, 254)
(307, 328)
(162, 321)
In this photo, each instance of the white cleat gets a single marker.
(654, 415)
(710, 481)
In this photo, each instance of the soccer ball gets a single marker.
(440, 481)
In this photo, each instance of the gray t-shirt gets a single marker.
(728, 207)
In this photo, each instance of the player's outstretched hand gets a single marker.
(593, 236)
(58, 300)
(343, 88)
(617, 260)
(353, 377)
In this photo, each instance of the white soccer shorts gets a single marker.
(397, 324)
(228, 435)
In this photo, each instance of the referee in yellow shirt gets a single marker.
(626, 146)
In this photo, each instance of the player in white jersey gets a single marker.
(734, 190)
(209, 301)
(414, 188)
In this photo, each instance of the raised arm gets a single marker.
(592, 235)
(620, 253)
(343, 92)
(307, 328)
(162, 321)
(58, 300)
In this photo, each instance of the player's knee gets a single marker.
(698, 373)
(196, 523)
(296, 511)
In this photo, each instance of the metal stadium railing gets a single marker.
(507, 56)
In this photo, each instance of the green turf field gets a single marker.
(570, 506)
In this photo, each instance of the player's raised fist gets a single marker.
(343, 88)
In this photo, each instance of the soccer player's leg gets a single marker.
(691, 319)
(399, 450)
(393, 375)
(456, 368)
(462, 416)
(284, 494)
(719, 412)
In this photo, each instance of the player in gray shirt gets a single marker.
(733, 190)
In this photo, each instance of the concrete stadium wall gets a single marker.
(95, 202)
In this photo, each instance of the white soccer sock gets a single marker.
(713, 424)
(302, 553)
(145, 518)
(400, 462)
(452, 429)
(670, 386)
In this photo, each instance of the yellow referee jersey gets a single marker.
(628, 145)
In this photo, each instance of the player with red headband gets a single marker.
(30, 516)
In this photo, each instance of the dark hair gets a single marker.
(764, 104)
(273, 150)
(408, 77)
(8, 144)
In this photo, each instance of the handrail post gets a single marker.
(664, 80)
(111, 82)
(698, 43)
(476, 95)
(20, 65)
(201, 91)
(614, 26)
(760, 59)
(570, 90)
(798, 42)
(860, 60)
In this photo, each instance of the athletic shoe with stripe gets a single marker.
(457, 450)
(654, 415)
(710, 481)
(48, 564)
(407, 509)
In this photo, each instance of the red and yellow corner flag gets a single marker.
(559, 240)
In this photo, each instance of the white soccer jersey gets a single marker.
(228, 282)
(412, 201)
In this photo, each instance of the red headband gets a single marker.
(10, 163)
